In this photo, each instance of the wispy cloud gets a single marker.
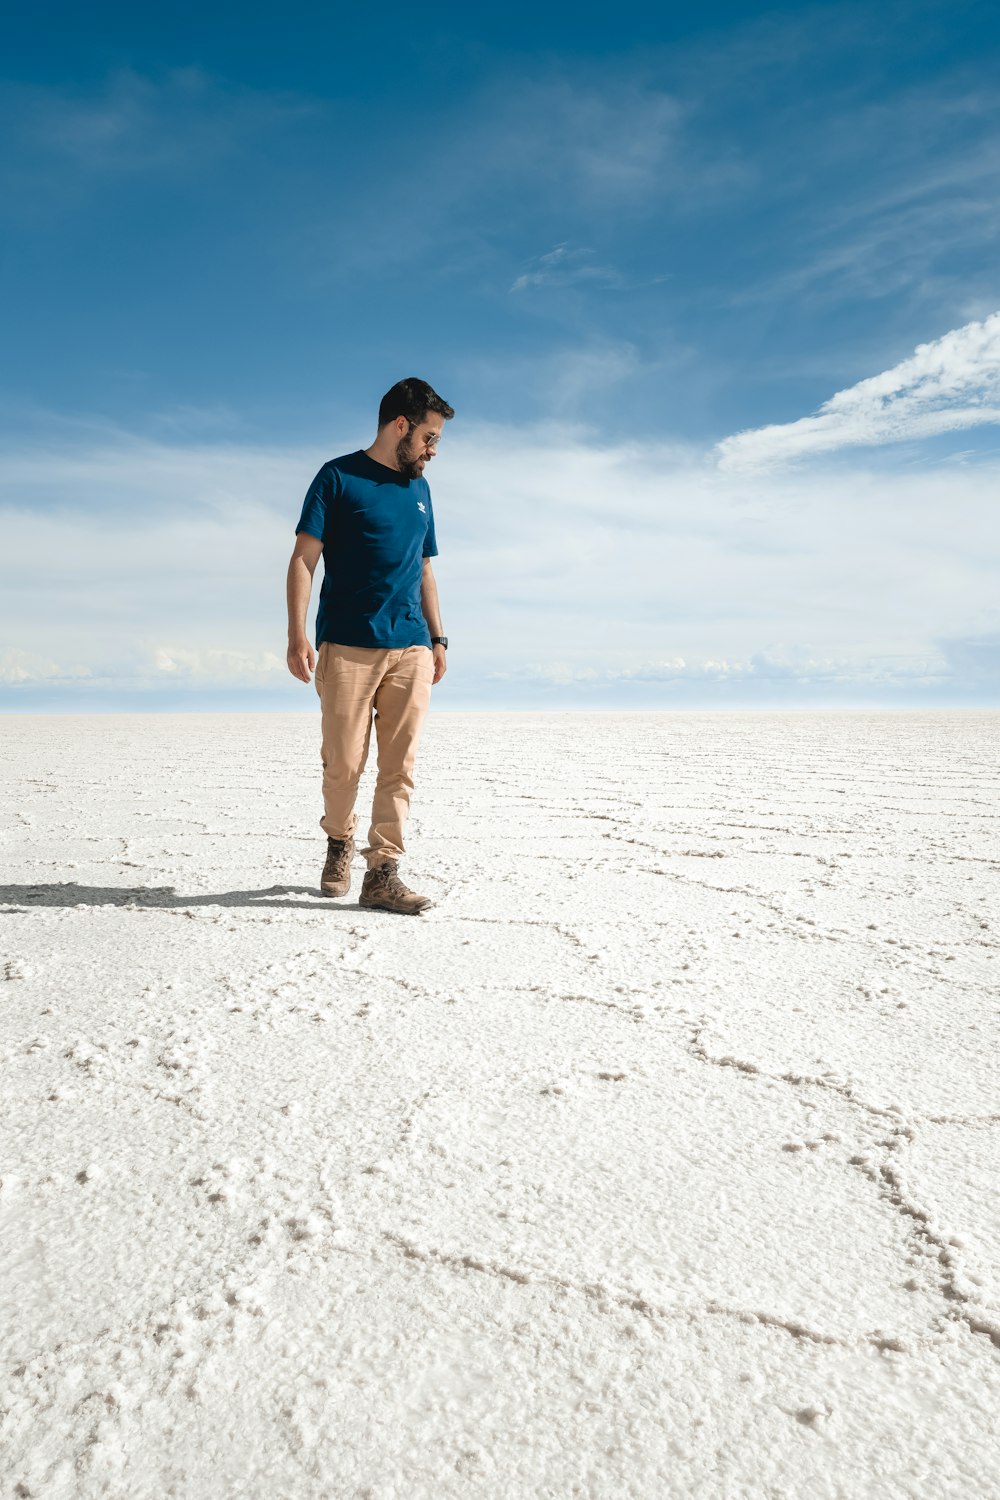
(217, 665)
(612, 138)
(146, 666)
(790, 665)
(946, 385)
(564, 266)
(180, 124)
(19, 666)
(546, 147)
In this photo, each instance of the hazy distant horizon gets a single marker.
(603, 711)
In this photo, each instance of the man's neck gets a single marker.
(387, 460)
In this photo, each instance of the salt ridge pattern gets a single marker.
(658, 1157)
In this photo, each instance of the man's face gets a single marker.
(415, 449)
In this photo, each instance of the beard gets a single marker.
(406, 460)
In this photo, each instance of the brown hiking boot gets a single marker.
(383, 890)
(336, 877)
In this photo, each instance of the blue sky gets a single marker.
(712, 291)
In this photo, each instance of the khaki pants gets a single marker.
(352, 682)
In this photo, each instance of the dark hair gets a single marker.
(412, 399)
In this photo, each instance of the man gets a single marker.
(378, 631)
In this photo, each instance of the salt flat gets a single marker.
(659, 1158)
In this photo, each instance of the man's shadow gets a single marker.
(162, 897)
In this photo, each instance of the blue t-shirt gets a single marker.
(376, 528)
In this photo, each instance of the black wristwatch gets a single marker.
(439, 640)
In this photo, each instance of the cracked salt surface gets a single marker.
(659, 1157)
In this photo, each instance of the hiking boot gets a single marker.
(382, 889)
(336, 877)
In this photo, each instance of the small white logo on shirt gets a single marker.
(421, 506)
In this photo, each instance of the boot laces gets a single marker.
(390, 879)
(337, 858)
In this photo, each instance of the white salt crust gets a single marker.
(658, 1158)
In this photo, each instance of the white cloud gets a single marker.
(566, 266)
(945, 386)
(28, 666)
(794, 665)
(215, 664)
(564, 560)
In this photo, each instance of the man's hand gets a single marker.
(301, 660)
(440, 662)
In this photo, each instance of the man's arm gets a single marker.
(432, 614)
(301, 656)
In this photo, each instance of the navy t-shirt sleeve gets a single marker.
(315, 508)
(430, 540)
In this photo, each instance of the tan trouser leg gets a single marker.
(401, 703)
(346, 680)
(352, 681)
